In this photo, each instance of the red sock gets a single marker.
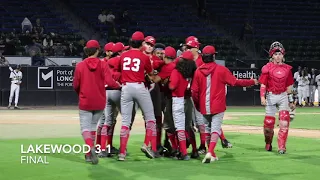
(172, 138)
(110, 135)
(104, 136)
(146, 138)
(93, 135)
(222, 136)
(124, 136)
(208, 137)
(213, 142)
(193, 140)
(86, 135)
(98, 140)
(159, 129)
(151, 134)
(182, 141)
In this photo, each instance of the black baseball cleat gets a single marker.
(183, 157)
(114, 150)
(147, 151)
(195, 155)
(103, 154)
(268, 147)
(9, 107)
(94, 156)
(160, 149)
(202, 150)
(282, 151)
(87, 158)
(16, 107)
(226, 144)
(167, 145)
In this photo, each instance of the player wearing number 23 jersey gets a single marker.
(134, 64)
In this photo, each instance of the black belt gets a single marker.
(108, 88)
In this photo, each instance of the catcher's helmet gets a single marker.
(276, 47)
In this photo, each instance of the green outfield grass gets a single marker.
(302, 120)
(247, 160)
(262, 109)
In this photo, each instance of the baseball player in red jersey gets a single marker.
(90, 77)
(209, 95)
(149, 48)
(162, 78)
(193, 44)
(108, 51)
(134, 64)
(276, 81)
(179, 84)
(113, 104)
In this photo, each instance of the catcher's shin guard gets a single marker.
(268, 127)
(284, 122)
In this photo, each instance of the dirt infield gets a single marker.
(51, 122)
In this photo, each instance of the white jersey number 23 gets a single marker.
(131, 64)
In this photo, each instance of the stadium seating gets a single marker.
(13, 12)
(169, 21)
(294, 23)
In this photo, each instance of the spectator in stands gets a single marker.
(10, 47)
(37, 38)
(26, 25)
(58, 49)
(80, 45)
(38, 28)
(111, 17)
(25, 38)
(3, 61)
(102, 17)
(247, 29)
(47, 41)
(47, 45)
(70, 51)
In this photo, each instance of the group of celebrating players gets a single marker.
(189, 90)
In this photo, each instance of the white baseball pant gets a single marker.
(14, 90)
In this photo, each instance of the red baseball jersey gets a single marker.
(165, 73)
(276, 77)
(209, 87)
(178, 84)
(134, 64)
(166, 70)
(114, 63)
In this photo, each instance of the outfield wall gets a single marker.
(52, 86)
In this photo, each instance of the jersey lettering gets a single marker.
(131, 64)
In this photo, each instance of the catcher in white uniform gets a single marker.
(16, 77)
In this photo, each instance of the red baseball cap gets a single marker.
(187, 55)
(170, 52)
(192, 41)
(150, 39)
(193, 44)
(192, 38)
(209, 50)
(109, 46)
(137, 36)
(118, 47)
(92, 44)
